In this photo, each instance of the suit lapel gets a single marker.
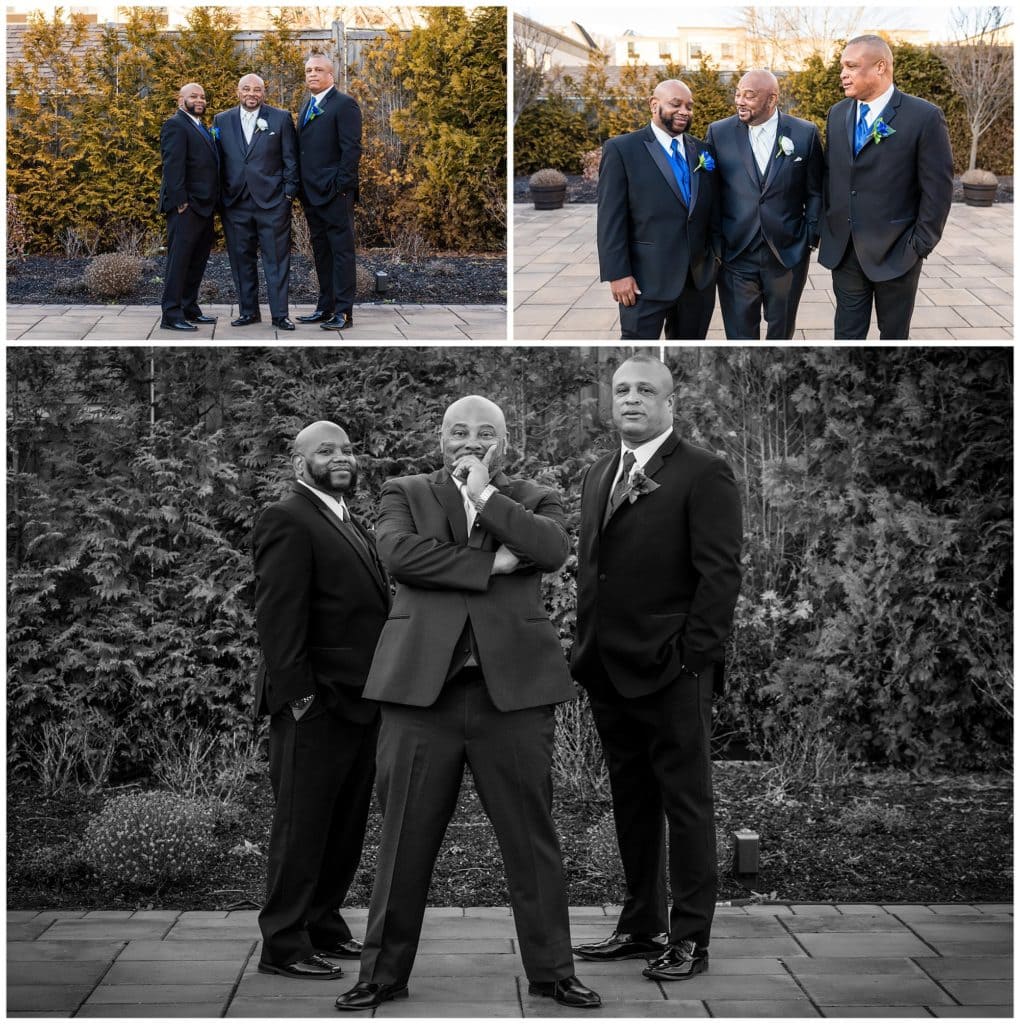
(851, 125)
(658, 155)
(448, 496)
(772, 168)
(692, 162)
(656, 462)
(747, 153)
(254, 135)
(602, 486)
(207, 138)
(366, 539)
(235, 127)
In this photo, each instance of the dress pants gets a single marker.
(421, 757)
(189, 242)
(755, 280)
(894, 300)
(684, 319)
(321, 768)
(657, 752)
(331, 227)
(248, 228)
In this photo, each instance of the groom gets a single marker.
(258, 158)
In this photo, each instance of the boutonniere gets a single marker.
(262, 124)
(637, 482)
(705, 162)
(785, 146)
(313, 113)
(880, 130)
(215, 133)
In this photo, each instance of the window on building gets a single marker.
(663, 49)
(727, 51)
(631, 50)
(694, 51)
(547, 61)
(529, 56)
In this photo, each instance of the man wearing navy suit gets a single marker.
(658, 223)
(770, 179)
(329, 137)
(321, 598)
(258, 157)
(188, 194)
(888, 188)
(658, 572)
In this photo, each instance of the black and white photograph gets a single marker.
(507, 681)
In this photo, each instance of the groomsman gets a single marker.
(188, 194)
(329, 133)
(658, 223)
(258, 158)
(770, 177)
(888, 187)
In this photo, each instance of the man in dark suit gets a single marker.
(658, 575)
(188, 195)
(658, 223)
(329, 134)
(258, 157)
(321, 598)
(469, 669)
(888, 188)
(770, 179)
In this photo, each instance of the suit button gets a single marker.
(602, 577)
(853, 191)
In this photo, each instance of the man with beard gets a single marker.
(658, 223)
(188, 195)
(321, 598)
(469, 669)
(770, 178)
(258, 148)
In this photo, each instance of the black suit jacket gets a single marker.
(269, 166)
(786, 205)
(191, 171)
(657, 585)
(330, 147)
(893, 198)
(644, 229)
(321, 600)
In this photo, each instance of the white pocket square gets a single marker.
(798, 160)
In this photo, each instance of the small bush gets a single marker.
(578, 766)
(113, 275)
(147, 839)
(547, 177)
(867, 816)
(52, 865)
(603, 852)
(17, 233)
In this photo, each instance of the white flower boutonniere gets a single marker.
(262, 124)
(785, 146)
(638, 484)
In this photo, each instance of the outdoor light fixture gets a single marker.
(382, 282)
(745, 852)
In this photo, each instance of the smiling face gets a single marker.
(192, 99)
(757, 97)
(642, 401)
(865, 71)
(251, 91)
(324, 459)
(470, 427)
(672, 107)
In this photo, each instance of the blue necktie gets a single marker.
(681, 172)
(862, 133)
(313, 111)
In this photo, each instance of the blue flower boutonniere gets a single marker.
(880, 130)
(215, 133)
(705, 162)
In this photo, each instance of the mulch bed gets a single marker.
(581, 191)
(437, 280)
(886, 837)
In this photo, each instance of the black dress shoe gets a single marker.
(283, 323)
(244, 321)
(176, 325)
(622, 946)
(568, 991)
(202, 319)
(367, 995)
(680, 962)
(348, 949)
(314, 318)
(338, 322)
(312, 968)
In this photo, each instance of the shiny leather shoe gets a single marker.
(245, 321)
(312, 968)
(622, 946)
(681, 961)
(367, 995)
(347, 949)
(202, 319)
(568, 991)
(283, 323)
(339, 322)
(313, 318)
(176, 325)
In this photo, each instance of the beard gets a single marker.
(322, 479)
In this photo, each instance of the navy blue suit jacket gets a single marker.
(330, 148)
(269, 166)
(191, 166)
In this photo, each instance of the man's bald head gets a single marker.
(323, 458)
(251, 91)
(191, 98)
(866, 68)
(672, 106)
(757, 97)
(471, 426)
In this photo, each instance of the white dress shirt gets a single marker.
(337, 507)
(875, 108)
(248, 119)
(642, 454)
(763, 140)
(666, 141)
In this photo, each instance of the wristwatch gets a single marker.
(487, 492)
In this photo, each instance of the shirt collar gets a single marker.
(252, 113)
(320, 96)
(332, 503)
(876, 106)
(666, 140)
(197, 120)
(647, 449)
(771, 125)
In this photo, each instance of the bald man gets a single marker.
(770, 176)
(321, 598)
(888, 189)
(188, 194)
(258, 157)
(658, 222)
(469, 669)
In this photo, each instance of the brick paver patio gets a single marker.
(70, 322)
(966, 289)
(859, 960)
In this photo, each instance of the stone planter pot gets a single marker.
(548, 197)
(979, 195)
